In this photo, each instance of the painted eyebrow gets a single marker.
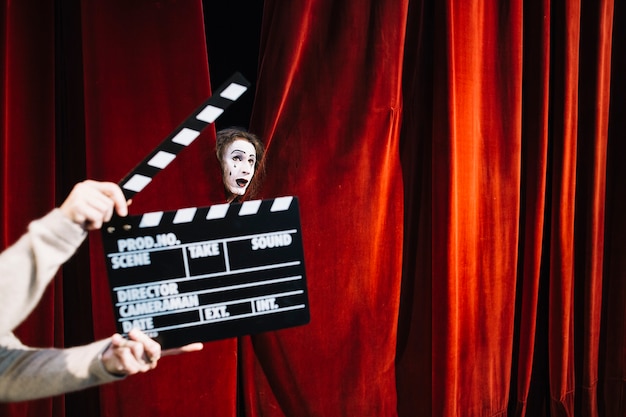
(243, 152)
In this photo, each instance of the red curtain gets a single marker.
(458, 167)
(333, 141)
(28, 177)
(141, 81)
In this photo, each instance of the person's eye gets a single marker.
(236, 158)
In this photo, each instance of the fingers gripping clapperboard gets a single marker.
(205, 273)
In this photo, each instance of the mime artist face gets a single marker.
(238, 166)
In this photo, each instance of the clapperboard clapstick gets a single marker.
(205, 273)
(184, 135)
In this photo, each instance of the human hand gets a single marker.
(139, 353)
(91, 203)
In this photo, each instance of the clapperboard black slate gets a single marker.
(202, 274)
(208, 273)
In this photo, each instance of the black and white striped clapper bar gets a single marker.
(205, 273)
(184, 135)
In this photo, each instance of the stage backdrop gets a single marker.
(458, 167)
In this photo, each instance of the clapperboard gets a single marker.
(205, 273)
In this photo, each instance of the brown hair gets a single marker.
(227, 136)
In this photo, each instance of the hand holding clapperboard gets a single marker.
(205, 273)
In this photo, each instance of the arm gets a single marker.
(28, 373)
(27, 267)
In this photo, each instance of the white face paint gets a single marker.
(238, 166)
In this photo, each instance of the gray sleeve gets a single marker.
(28, 373)
(28, 266)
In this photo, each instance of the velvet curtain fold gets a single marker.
(141, 81)
(331, 114)
(555, 268)
(27, 157)
(458, 167)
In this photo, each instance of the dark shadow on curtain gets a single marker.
(233, 30)
(70, 160)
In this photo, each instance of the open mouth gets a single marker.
(241, 182)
